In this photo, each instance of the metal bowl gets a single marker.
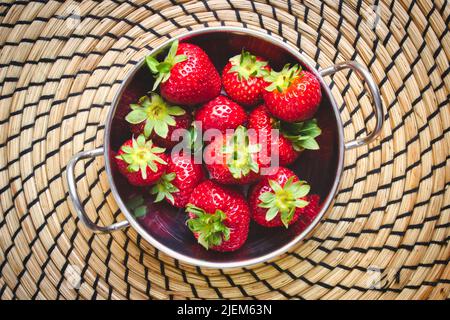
(164, 226)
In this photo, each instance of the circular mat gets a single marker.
(387, 235)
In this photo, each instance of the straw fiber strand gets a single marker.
(61, 63)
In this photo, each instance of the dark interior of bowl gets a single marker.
(165, 223)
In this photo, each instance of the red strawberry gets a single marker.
(233, 158)
(310, 212)
(243, 78)
(187, 75)
(292, 137)
(181, 177)
(218, 217)
(141, 162)
(293, 95)
(157, 119)
(221, 113)
(278, 199)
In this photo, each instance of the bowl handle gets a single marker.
(379, 113)
(70, 173)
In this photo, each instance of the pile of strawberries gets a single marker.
(256, 102)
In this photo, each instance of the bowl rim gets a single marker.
(247, 262)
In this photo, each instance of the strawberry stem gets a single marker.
(161, 70)
(210, 228)
(283, 79)
(240, 153)
(140, 155)
(284, 200)
(164, 188)
(246, 65)
(157, 114)
(301, 134)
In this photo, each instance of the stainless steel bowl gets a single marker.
(164, 227)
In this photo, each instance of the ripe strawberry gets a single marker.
(221, 113)
(233, 158)
(218, 217)
(278, 199)
(157, 119)
(243, 78)
(292, 137)
(309, 213)
(293, 95)
(141, 162)
(187, 75)
(181, 177)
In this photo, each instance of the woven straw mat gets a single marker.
(61, 62)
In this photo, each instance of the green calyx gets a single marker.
(240, 154)
(161, 70)
(164, 188)
(210, 228)
(137, 206)
(284, 200)
(140, 155)
(157, 114)
(283, 79)
(246, 65)
(302, 134)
